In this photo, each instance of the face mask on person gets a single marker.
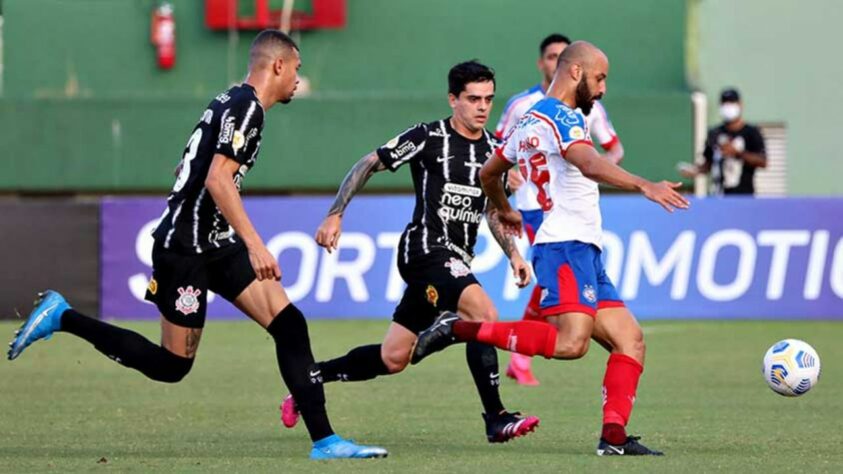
(730, 111)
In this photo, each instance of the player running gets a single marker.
(525, 194)
(205, 241)
(437, 246)
(578, 299)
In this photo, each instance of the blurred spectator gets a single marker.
(733, 150)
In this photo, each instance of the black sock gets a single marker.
(295, 360)
(361, 363)
(127, 347)
(483, 361)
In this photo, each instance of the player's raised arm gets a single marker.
(223, 190)
(328, 234)
(589, 162)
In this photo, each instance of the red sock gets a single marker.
(466, 331)
(619, 386)
(533, 310)
(524, 337)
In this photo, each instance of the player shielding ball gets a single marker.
(578, 298)
(205, 241)
(437, 246)
(521, 182)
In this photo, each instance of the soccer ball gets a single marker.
(791, 367)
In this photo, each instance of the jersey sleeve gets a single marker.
(600, 127)
(404, 147)
(569, 128)
(240, 129)
(755, 141)
(507, 150)
(708, 150)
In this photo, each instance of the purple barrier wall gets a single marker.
(725, 258)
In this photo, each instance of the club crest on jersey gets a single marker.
(153, 286)
(458, 268)
(432, 295)
(188, 302)
(589, 294)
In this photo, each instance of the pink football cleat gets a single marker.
(519, 369)
(289, 412)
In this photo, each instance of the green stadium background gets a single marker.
(95, 114)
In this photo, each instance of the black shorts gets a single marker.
(434, 284)
(180, 282)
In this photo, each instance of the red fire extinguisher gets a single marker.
(163, 35)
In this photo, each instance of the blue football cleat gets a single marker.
(334, 447)
(43, 321)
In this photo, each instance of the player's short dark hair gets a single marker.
(552, 39)
(267, 39)
(469, 71)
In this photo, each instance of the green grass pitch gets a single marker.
(65, 408)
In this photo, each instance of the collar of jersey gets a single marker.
(455, 133)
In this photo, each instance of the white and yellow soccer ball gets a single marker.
(791, 367)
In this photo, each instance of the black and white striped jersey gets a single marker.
(450, 202)
(231, 126)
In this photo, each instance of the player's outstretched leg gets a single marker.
(292, 345)
(524, 337)
(359, 364)
(520, 366)
(617, 329)
(482, 359)
(52, 313)
(267, 303)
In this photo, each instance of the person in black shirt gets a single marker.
(733, 150)
(437, 246)
(205, 241)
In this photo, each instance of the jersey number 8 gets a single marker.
(189, 155)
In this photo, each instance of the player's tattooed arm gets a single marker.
(354, 182)
(328, 233)
(520, 268)
(505, 241)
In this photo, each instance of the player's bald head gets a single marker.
(268, 46)
(581, 75)
(584, 54)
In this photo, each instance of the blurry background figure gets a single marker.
(733, 150)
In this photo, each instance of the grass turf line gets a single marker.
(64, 407)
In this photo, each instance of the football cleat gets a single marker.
(334, 447)
(631, 448)
(42, 322)
(520, 371)
(435, 338)
(506, 426)
(289, 412)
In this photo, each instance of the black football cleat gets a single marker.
(631, 448)
(435, 338)
(506, 426)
